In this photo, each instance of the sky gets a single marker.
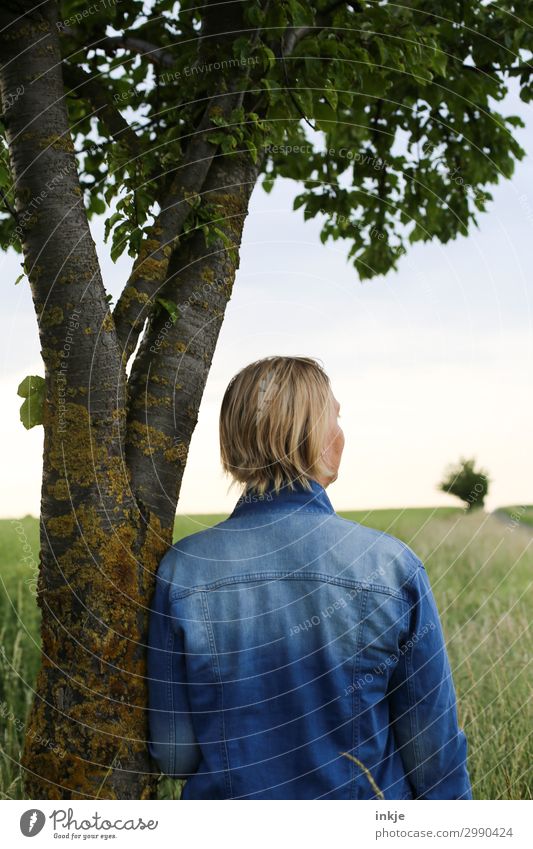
(429, 363)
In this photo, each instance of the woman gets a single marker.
(294, 654)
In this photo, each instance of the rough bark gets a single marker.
(151, 266)
(98, 553)
(170, 370)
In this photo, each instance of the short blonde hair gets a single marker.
(274, 422)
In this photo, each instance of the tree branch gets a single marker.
(137, 45)
(11, 209)
(149, 272)
(170, 369)
(293, 35)
(95, 93)
(150, 268)
(521, 69)
(107, 43)
(58, 249)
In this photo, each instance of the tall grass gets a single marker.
(19, 643)
(480, 567)
(519, 513)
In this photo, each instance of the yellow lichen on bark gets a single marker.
(78, 459)
(51, 317)
(63, 143)
(105, 554)
(208, 275)
(156, 542)
(61, 526)
(71, 450)
(148, 399)
(181, 451)
(149, 266)
(117, 479)
(149, 439)
(59, 490)
(118, 561)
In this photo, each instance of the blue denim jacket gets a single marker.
(284, 640)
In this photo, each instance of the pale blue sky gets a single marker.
(428, 363)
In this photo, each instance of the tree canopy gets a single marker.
(469, 484)
(385, 114)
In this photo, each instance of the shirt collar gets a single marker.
(298, 499)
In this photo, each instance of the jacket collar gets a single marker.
(298, 499)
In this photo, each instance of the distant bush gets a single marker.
(469, 484)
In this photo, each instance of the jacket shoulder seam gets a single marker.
(248, 577)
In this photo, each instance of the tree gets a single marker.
(469, 484)
(164, 121)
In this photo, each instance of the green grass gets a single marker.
(520, 513)
(480, 567)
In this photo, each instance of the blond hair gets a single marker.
(274, 422)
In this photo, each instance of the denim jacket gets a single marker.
(294, 654)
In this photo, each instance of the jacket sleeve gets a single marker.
(172, 742)
(422, 703)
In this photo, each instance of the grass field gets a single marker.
(522, 513)
(481, 568)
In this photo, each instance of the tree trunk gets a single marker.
(170, 370)
(114, 451)
(96, 557)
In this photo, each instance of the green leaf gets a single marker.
(134, 243)
(120, 240)
(515, 121)
(439, 62)
(252, 149)
(97, 205)
(24, 273)
(330, 95)
(418, 234)
(110, 223)
(268, 56)
(170, 307)
(268, 184)
(32, 388)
